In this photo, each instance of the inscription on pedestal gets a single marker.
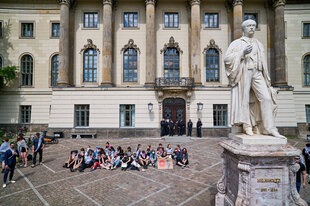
(267, 186)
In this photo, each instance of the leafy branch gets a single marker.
(7, 74)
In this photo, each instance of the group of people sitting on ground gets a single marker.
(109, 158)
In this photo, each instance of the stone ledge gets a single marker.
(257, 139)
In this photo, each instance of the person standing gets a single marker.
(198, 125)
(37, 147)
(189, 127)
(10, 162)
(22, 149)
(301, 171)
(162, 127)
(181, 127)
(3, 148)
(171, 128)
(306, 153)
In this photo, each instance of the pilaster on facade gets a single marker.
(194, 2)
(237, 18)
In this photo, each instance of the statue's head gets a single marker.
(248, 27)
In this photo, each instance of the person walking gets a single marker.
(198, 125)
(3, 148)
(306, 154)
(10, 162)
(162, 127)
(299, 173)
(189, 127)
(37, 147)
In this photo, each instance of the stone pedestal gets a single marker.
(258, 174)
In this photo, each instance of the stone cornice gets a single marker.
(237, 2)
(150, 2)
(279, 3)
(130, 45)
(194, 2)
(171, 44)
(68, 2)
(89, 45)
(212, 45)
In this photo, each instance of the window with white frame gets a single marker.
(55, 29)
(81, 115)
(54, 69)
(211, 20)
(26, 70)
(171, 20)
(25, 114)
(220, 114)
(127, 115)
(90, 20)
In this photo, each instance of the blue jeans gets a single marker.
(298, 184)
(11, 170)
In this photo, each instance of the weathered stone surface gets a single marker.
(257, 139)
(258, 175)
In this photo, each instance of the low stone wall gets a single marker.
(14, 128)
(304, 130)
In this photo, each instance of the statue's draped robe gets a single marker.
(236, 64)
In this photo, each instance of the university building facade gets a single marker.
(116, 68)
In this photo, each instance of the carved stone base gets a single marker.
(258, 175)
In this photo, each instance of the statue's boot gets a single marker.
(275, 133)
(247, 129)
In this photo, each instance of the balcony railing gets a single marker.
(174, 82)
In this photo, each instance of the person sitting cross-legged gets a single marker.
(153, 158)
(183, 162)
(125, 162)
(78, 163)
(115, 161)
(144, 160)
(135, 162)
(70, 162)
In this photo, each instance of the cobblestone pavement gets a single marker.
(51, 184)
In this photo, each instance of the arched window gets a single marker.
(212, 65)
(26, 70)
(90, 65)
(130, 65)
(172, 63)
(55, 69)
(307, 70)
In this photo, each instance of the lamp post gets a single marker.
(150, 107)
(199, 106)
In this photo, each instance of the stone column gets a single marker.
(195, 41)
(237, 18)
(107, 44)
(279, 44)
(150, 43)
(64, 49)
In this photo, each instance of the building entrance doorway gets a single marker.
(175, 109)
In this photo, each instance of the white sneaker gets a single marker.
(4, 186)
(20, 165)
(25, 165)
(12, 181)
(40, 163)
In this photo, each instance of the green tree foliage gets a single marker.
(7, 74)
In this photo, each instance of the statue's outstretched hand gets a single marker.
(248, 49)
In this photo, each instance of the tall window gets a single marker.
(90, 20)
(27, 30)
(81, 115)
(90, 65)
(252, 16)
(211, 20)
(171, 63)
(306, 29)
(212, 65)
(25, 114)
(26, 70)
(131, 19)
(55, 69)
(127, 115)
(172, 20)
(220, 114)
(55, 29)
(130, 65)
(307, 70)
(308, 113)
(1, 62)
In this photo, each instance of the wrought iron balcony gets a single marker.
(174, 82)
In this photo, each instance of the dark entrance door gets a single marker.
(174, 109)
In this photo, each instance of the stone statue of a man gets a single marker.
(253, 99)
